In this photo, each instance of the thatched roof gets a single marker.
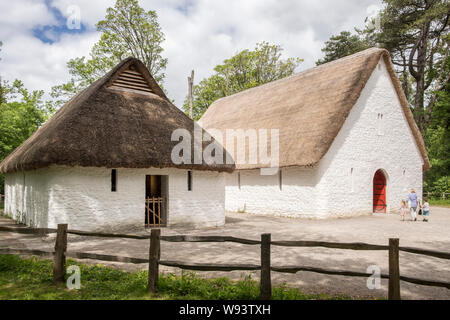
(123, 120)
(308, 108)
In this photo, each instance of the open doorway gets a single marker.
(156, 201)
(379, 192)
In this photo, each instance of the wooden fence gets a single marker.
(60, 254)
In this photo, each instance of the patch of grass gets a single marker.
(31, 278)
(440, 203)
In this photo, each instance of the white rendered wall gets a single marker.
(26, 197)
(365, 143)
(260, 194)
(82, 197)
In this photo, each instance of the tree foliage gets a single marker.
(416, 33)
(437, 140)
(2, 90)
(127, 30)
(247, 69)
(21, 113)
(342, 45)
(20, 116)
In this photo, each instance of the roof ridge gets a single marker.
(305, 72)
(308, 108)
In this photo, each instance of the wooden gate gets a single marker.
(379, 192)
(154, 212)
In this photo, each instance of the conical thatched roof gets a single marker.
(308, 108)
(123, 120)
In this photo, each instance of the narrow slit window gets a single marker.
(380, 124)
(189, 180)
(113, 180)
(352, 180)
(280, 179)
(239, 180)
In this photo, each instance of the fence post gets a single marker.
(59, 258)
(266, 284)
(153, 260)
(394, 270)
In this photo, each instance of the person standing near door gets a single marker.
(426, 210)
(412, 198)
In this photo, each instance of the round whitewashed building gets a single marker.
(104, 162)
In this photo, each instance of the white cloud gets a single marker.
(42, 65)
(19, 16)
(199, 34)
(90, 11)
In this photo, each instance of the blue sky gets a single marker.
(51, 33)
(200, 34)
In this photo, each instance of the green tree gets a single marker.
(21, 114)
(416, 33)
(247, 69)
(127, 30)
(2, 89)
(343, 45)
(437, 138)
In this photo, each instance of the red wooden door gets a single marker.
(379, 192)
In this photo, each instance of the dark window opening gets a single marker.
(239, 180)
(113, 180)
(280, 178)
(155, 200)
(189, 180)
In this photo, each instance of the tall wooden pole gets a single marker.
(394, 270)
(153, 261)
(265, 284)
(191, 93)
(59, 258)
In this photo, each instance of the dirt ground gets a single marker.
(375, 229)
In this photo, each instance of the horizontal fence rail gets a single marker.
(40, 253)
(154, 261)
(24, 230)
(183, 238)
(295, 269)
(334, 245)
(177, 238)
(425, 252)
(210, 266)
(189, 238)
(105, 257)
(108, 235)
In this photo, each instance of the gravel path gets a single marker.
(375, 229)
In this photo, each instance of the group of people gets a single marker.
(415, 207)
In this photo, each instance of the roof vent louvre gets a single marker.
(131, 79)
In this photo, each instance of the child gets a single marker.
(403, 210)
(425, 209)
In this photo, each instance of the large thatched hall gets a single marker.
(348, 143)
